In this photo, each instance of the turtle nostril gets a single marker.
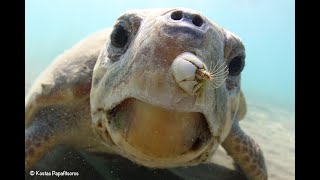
(197, 20)
(177, 15)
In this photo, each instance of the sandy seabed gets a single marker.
(273, 130)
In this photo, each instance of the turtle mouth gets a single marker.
(143, 129)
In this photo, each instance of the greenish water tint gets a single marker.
(266, 28)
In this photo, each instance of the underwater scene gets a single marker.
(266, 29)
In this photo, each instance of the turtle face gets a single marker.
(164, 87)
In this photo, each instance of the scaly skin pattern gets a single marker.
(93, 96)
(243, 149)
(246, 153)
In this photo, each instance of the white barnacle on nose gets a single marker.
(184, 69)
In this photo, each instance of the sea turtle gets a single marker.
(161, 88)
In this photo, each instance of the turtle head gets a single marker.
(164, 87)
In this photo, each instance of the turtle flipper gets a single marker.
(53, 125)
(246, 153)
(39, 139)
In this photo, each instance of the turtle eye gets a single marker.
(236, 65)
(119, 36)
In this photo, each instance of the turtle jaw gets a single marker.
(156, 136)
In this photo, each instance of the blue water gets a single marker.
(266, 28)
